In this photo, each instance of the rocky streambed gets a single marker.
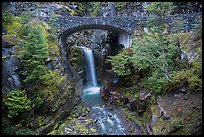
(84, 120)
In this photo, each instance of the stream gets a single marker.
(109, 122)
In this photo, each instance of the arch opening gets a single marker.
(124, 37)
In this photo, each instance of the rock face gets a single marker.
(48, 116)
(10, 67)
(175, 115)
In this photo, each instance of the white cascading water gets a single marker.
(108, 121)
(90, 67)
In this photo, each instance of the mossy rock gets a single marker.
(10, 39)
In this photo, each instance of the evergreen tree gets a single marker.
(17, 102)
(34, 54)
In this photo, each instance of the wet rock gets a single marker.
(45, 129)
(198, 90)
(5, 44)
(145, 95)
(36, 123)
(154, 119)
(185, 98)
(132, 105)
(162, 112)
(67, 130)
(141, 106)
(182, 90)
(178, 95)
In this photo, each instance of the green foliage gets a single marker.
(156, 82)
(120, 5)
(158, 11)
(155, 49)
(79, 10)
(76, 58)
(121, 63)
(7, 18)
(198, 29)
(25, 17)
(9, 130)
(177, 123)
(33, 54)
(24, 131)
(95, 8)
(14, 130)
(17, 102)
(153, 53)
(52, 23)
(12, 24)
(156, 55)
(52, 83)
(186, 76)
(133, 90)
(37, 101)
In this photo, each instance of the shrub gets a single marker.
(156, 82)
(186, 76)
(177, 123)
(17, 102)
(121, 63)
(133, 90)
(9, 130)
(13, 130)
(24, 131)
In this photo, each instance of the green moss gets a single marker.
(5, 57)
(56, 125)
(63, 126)
(14, 27)
(138, 120)
(161, 127)
(52, 132)
(154, 110)
(93, 129)
(40, 120)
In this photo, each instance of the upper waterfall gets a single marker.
(90, 67)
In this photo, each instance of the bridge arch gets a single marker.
(123, 35)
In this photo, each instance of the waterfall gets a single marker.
(90, 67)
